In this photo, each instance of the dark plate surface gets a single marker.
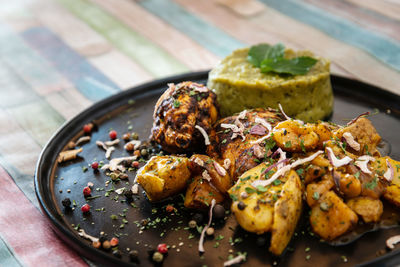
(53, 180)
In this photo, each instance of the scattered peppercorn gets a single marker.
(87, 128)
(117, 253)
(134, 255)
(66, 202)
(219, 211)
(192, 224)
(144, 222)
(126, 137)
(169, 208)
(136, 153)
(112, 134)
(95, 165)
(128, 194)
(261, 240)
(158, 257)
(241, 205)
(129, 147)
(135, 164)
(198, 217)
(135, 136)
(85, 208)
(143, 152)
(210, 231)
(162, 248)
(96, 244)
(114, 242)
(123, 176)
(87, 191)
(106, 245)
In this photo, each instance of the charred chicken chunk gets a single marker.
(232, 139)
(183, 117)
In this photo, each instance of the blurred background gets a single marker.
(57, 57)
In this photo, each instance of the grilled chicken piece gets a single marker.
(210, 181)
(231, 139)
(180, 116)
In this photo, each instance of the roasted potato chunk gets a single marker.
(211, 181)
(287, 211)
(274, 208)
(369, 209)
(315, 190)
(257, 216)
(200, 193)
(392, 194)
(332, 217)
(164, 176)
(363, 133)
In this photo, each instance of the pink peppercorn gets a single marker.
(85, 208)
(162, 248)
(87, 191)
(112, 134)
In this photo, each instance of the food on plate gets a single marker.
(183, 116)
(231, 140)
(163, 176)
(209, 181)
(240, 85)
(275, 209)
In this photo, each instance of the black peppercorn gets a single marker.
(261, 240)
(128, 194)
(102, 238)
(66, 202)
(241, 205)
(117, 253)
(198, 217)
(219, 211)
(134, 255)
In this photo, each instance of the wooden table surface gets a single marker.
(59, 57)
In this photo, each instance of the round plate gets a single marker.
(132, 110)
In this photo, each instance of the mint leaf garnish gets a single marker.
(271, 59)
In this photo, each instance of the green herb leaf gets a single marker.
(294, 66)
(261, 188)
(277, 182)
(250, 190)
(315, 196)
(176, 104)
(259, 53)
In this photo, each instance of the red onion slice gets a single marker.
(236, 260)
(351, 142)
(201, 241)
(206, 176)
(391, 241)
(227, 163)
(389, 172)
(204, 133)
(335, 161)
(356, 118)
(283, 112)
(263, 123)
(221, 171)
(258, 130)
(362, 163)
(259, 151)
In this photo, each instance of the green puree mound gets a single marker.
(239, 85)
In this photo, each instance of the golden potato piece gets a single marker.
(316, 190)
(287, 211)
(257, 210)
(332, 217)
(380, 166)
(392, 194)
(163, 176)
(369, 209)
(200, 193)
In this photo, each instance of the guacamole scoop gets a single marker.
(239, 85)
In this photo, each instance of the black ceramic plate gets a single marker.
(53, 180)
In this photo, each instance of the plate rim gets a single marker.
(85, 250)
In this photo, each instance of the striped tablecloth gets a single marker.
(58, 57)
